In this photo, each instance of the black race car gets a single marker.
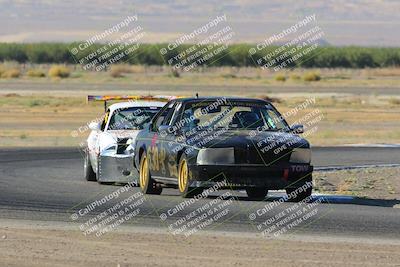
(237, 143)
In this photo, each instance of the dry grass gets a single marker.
(44, 120)
(59, 71)
(280, 78)
(381, 72)
(353, 119)
(117, 71)
(11, 73)
(176, 74)
(394, 101)
(375, 183)
(35, 73)
(2, 70)
(348, 120)
(246, 76)
(295, 77)
(138, 69)
(271, 99)
(311, 77)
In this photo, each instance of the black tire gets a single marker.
(256, 193)
(299, 196)
(146, 183)
(183, 182)
(88, 172)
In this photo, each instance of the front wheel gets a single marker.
(256, 193)
(183, 180)
(88, 172)
(147, 184)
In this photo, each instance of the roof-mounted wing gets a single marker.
(106, 98)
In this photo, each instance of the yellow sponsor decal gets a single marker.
(158, 157)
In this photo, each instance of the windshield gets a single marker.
(241, 115)
(131, 118)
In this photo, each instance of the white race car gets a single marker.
(109, 154)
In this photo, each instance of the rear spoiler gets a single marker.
(106, 98)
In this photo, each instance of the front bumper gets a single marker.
(117, 168)
(241, 176)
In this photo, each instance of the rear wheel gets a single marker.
(256, 193)
(88, 172)
(147, 184)
(183, 180)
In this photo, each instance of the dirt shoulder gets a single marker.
(373, 183)
(29, 245)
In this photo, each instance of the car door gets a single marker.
(173, 142)
(156, 150)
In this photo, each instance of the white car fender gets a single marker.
(105, 140)
(92, 148)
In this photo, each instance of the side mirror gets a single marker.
(94, 126)
(297, 129)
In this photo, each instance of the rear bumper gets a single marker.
(241, 176)
(117, 169)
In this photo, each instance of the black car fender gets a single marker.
(142, 149)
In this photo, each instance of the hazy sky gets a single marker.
(345, 22)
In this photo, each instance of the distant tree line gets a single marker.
(235, 55)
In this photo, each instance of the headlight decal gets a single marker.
(214, 156)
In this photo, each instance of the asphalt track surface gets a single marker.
(47, 184)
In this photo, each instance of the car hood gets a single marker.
(256, 147)
(119, 134)
(246, 137)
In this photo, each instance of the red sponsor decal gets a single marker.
(154, 139)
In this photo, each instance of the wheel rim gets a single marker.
(183, 176)
(144, 173)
